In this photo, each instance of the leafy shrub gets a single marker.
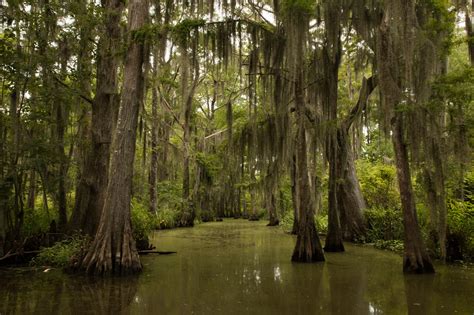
(60, 254)
(384, 224)
(166, 218)
(286, 221)
(461, 228)
(321, 222)
(35, 221)
(142, 221)
(393, 245)
(379, 185)
(169, 195)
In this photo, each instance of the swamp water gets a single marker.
(241, 267)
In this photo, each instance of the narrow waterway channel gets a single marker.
(241, 267)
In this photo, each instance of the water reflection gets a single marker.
(237, 267)
(277, 274)
(34, 292)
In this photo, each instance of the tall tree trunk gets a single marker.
(416, 259)
(61, 123)
(470, 31)
(331, 67)
(113, 249)
(350, 200)
(188, 212)
(270, 199)
(331, 58)
(14, 215)
(294, 196)
(308, 246)
(62, 173)
(30, 203)
(154, 141)
(253, 187)
(85, 75)
(90, 192)
(436, 200)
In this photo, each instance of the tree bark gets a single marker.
(30, 203)
(416, 259)
(331, 67)
(436, 200)
(270, 199)
(188, 212)
(154, 141)
(294, 196)
(61, 123)
(470, 32)
(90, 193)
(308, 246)
(113, 249)
(350, 199)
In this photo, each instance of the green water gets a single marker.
(240, 267)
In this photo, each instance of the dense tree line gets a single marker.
(199, 110)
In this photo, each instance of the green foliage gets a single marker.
(166, 218)
(297, 7)
(286, 221)
(35, 221)
(461, 226)
(169, 195)
(378, 183)
(142, 221)
(456, 87)
(60, 254)
(441, 22)
(210, 165)
(383, 224)
(392, 245)
(181, 30)
(378, 149)
(321, 222)
(147, 32)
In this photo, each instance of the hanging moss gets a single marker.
(147, 32)
(297, 7)
(182, 30)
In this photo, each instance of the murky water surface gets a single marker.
(240, 267)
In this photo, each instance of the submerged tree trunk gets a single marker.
(334, 237)
(308, 246)
(113, 249)
(331, 58)
(90, 192)
(416, 259)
